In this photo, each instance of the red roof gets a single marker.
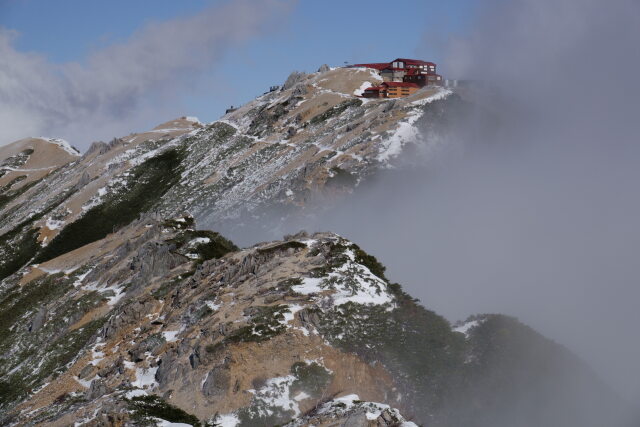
(375, 65)
(374, 88)
(399, 84)
(413, 61)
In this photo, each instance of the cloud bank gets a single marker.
(123, 86)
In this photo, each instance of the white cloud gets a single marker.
(125, 85)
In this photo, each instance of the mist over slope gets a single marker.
(528, 206)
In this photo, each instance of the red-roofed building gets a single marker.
(375, 92)
(399, 89)
(391, 90)
(416, 71)
(375, 65)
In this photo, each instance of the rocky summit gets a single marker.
(116, 309)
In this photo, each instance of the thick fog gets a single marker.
(534, 213)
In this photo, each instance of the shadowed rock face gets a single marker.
(281, 331)
(132, 314)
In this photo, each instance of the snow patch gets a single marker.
(466, 327)
(275, 393)
(145, 378)
(301, 396)
(406, 131)
(351, 282)
(113, 300)
(361, 89)
(135, 393)
(193, 119)
(227, 420)
(62, 144)
(164, 423)
(309, 285)
(53, 224)
(170, 336)
(198, 240)
(213, 306)
(373, 410)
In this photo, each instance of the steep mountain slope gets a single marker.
(284, 147)
(115, 309)
(27, 161)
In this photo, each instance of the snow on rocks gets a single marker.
(212, 305)
(361, 89)
(170, 336)
(62, 144)
(164, 423)
(144, 378)
(349, 282)
(53, 224)
(405, 130)
(466, 327)
(344, 406)
(227, 420)
(193, 119)
(273, 396)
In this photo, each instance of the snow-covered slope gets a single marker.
(312, 137)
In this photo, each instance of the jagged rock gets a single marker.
(113, 369)
(99, 146)
(148, 345)
(170, 369)
(84, 180)
(97, 389)
(357, 419)
(302, 234)
(87, 372)
(194, 358)
(387, 418)
(155, 260)
(109, 418)
(300, 90)
(127, 315)
(38, 320)
(389, 106)
(323, 68)
(217, 382)
(293, 79)
(308, 318)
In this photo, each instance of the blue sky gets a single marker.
(312, 33)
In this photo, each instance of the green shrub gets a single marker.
(341, 178)
(149, 182)
(416, 345)
(264, 325)
(335, 111)
(146, 408)
(28, 298)
(217, 246)
(369, 261)
(311, 378)
(17, 247)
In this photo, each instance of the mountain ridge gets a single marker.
(115, 309)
